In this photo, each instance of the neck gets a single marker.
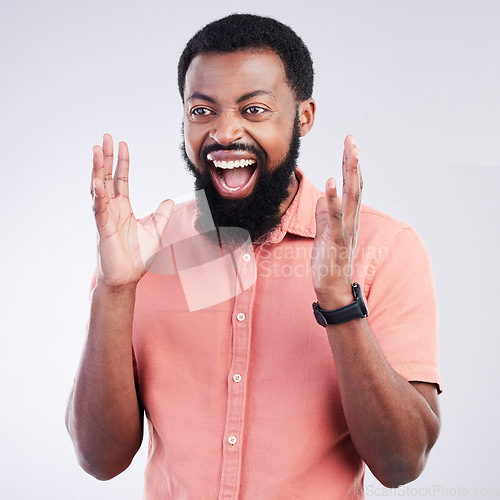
(294, 187)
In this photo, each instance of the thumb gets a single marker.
(321, 215)
(161, 216)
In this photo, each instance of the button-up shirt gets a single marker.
(238, 380)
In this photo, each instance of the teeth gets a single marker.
(232, 164)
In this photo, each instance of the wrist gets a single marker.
(336, 311)
(334, 297)
(114, 289)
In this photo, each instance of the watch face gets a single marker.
(319, 317)
(362, 304)
(363, 307)
(358, 295)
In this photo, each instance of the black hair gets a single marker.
(248, 32)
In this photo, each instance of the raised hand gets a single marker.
(125, 244)
(337, 223)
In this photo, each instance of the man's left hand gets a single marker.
(337, 223)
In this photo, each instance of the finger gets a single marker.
(120, 181)
(100, 203)
(351, 191)
(98, 167)
(334, 209)
(107, 148)
(358, 210)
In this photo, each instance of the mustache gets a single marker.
(250, 148)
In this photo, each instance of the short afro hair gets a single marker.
(248, 32)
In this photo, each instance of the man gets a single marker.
(246, 396)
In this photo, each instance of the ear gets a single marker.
(307, 110)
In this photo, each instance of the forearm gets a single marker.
(391, 424)
(104, 418)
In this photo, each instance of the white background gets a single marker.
(418, 85)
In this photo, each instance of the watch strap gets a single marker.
(354, 310)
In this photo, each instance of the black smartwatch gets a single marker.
(354, 310)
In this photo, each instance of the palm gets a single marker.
(333, 249)
(322, 244)
(125, 244)
(337, 222)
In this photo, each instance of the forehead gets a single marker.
(235, 74)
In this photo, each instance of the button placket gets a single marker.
(237, 380)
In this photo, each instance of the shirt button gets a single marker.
(232, 440)
(247, 257)
(240, 317)
(237, 377)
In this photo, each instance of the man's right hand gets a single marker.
(126, 246)
(105, 416)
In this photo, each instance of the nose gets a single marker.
(227, 129)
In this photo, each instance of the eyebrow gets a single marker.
(250, 95)
(203, 97)
(255, 93)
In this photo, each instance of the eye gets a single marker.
(255, 110)
(200, 111)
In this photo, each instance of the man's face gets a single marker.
(241, 137)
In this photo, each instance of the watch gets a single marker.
(354, 310)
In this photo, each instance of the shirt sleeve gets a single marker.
(401, 298)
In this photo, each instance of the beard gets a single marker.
(259, 213)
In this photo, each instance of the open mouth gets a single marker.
(234, 173)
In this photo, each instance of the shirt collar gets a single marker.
(300, 218)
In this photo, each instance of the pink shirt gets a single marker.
(238, 380)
